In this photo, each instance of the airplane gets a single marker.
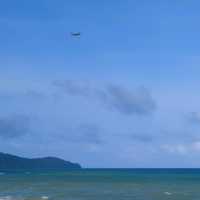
(76, 34)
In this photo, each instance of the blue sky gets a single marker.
(124, 94)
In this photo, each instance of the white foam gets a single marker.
(6, 198)
(44, 197)
(168, 193)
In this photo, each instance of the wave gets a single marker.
(17, 198)
(168, 193)
(45, 197)
(6, 198)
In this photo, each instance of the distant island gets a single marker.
(12, 162)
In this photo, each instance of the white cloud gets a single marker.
(175, 148)
(192, 147)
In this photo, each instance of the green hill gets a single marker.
(12, 162)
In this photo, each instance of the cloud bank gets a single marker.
(193, 117)
(14, 126)
(113, 97)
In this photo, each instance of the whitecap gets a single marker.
(168, 193)
(44, 197)
(6, 198)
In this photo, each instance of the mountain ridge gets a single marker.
(13, 162)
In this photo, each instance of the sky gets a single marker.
(123, 94)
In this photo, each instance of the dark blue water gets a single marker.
(102, 184)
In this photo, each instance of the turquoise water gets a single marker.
(108, 184)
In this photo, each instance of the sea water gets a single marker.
(102, 184)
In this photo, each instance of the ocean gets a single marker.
(102, 184)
